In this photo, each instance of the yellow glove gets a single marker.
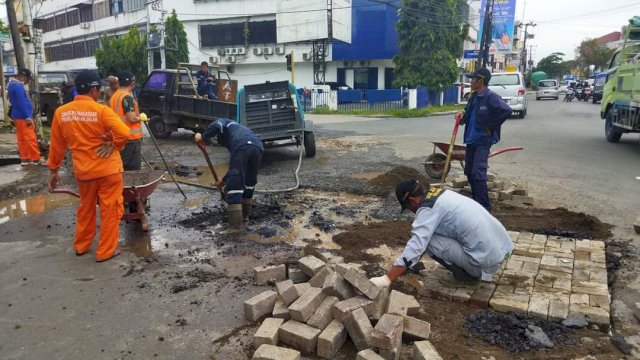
(143, 117)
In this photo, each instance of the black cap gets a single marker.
(87, 79)
(481, 73)
(26, 72)
(124, 75)
(405, 189)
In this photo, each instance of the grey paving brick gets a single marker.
(306, 305)
(270, 352)
(297, 276)
(387, 331)
(335, 285)
(424, 350)
(318, 279)
(416, 328)
(260, 305)
(343, 308)
(323, 315)
(332, 339)
(362, 283)
(267, 333)
(359, 328)
(402, 304)
(265, 274)
(280, 309)
(310, 265)
(300, 336)
(368, 354)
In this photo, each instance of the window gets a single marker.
(222, 35)
(86, 13)
(505, 79)
(100, 10)
(116, 7)
(262, 32)
(156, 81)
(92, 46)
(547, 83)
(73, 17)
(79, 49)
(133, 5)
(61, 21)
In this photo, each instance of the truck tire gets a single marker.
(158, 127)
(309, 144)
(611, 132)
(522, 114)
(434, 165)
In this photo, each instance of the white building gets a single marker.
(239, 36)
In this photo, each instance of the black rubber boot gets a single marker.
(235, 219)
(246, 209)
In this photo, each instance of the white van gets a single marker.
(510, 86)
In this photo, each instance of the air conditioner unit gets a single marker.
(228, 51)
(85, 25)
(306, 56)
(280, 50)
(213, 59)
(231, 59)
(242, 51)
(221, 52)
(257, 51)
(234, 51)
(267, 50)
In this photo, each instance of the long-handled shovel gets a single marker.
(447, 162)
(203, 148)
(143, 118)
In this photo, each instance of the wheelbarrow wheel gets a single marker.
(434, 165)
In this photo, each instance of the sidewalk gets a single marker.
(16, 179)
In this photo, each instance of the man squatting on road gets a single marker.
(483, 116)
(454, 230)
(245, 151)
(92, 132)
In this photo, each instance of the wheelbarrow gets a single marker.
(138, 185)
(434, 164)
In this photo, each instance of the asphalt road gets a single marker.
(54, 305)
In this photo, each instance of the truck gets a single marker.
(272, 110)
(49, 87)
(620, 106)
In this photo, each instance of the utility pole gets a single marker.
(15, 35)
(523, 60)
(485, 42)
(149, 52)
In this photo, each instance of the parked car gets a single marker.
(466, 92)
(563, 87)
(598, 87)
(510, 86)
(547, 89)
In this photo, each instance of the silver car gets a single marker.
(548, 89)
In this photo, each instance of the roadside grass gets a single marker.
(399, 113)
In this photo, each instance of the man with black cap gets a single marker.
(454, 230)
(126, 107)
(483, 116)
(93, 133)
(21, 112)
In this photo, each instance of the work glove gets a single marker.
(54, 179)
(143, 117)
(381, 281)
(198, 137)
(105, 149)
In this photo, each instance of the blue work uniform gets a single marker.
(484, 115)
(458, 233)
(245, 151)
(205, 86)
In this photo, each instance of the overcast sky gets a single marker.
(563, 24)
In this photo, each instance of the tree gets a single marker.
(592, 52)
(430, 35)
(553, 65)
(176, 38)
(3, 27)
(126, 53)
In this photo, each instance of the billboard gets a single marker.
(308, 20)
(502, 26)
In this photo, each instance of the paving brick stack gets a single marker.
(324, 303)
(499, 190)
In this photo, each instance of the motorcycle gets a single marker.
(569, 95)
(578, 92)
(586, 93)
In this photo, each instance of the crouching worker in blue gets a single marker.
(454, 230)
(483, 116)
(238, 184)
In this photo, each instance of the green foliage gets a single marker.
(399, 113)
(126, 53)
(174, 29)
(592, 52)
(3, 27)
(553, 65)
(431, 35)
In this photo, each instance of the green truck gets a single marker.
(621, 96)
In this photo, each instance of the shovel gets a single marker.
(203, 148)
(447, 162)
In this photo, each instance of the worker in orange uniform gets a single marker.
(92, 132)
(126, 107)
(21, 112)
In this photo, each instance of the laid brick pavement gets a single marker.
(548, 277)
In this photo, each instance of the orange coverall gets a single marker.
(27, 140)
(82, 126)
